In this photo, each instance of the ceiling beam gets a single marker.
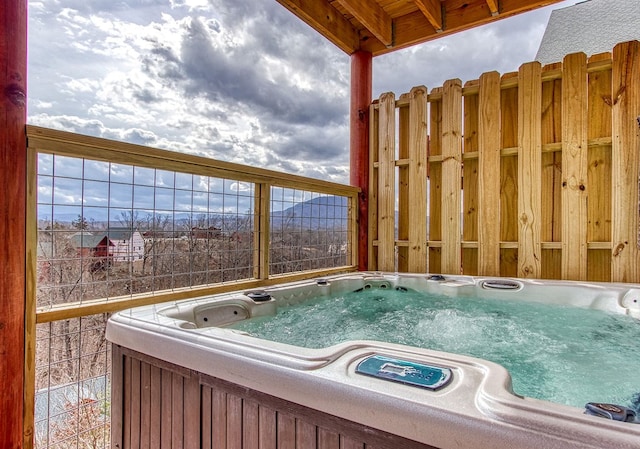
(459, 15)
(373, 17)
(325, 19)
(354, 25)
(493, 7)
(432, 10)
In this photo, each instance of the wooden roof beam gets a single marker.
(373, 17)
(415, 28)
(327, 20)
(493, 7)
(432, 10)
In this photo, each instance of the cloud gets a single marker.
(501, 46)
(242, 81)
(245, 78)
(207, 78)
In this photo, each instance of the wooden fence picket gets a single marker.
(489, 176)
(509, 176)
(417, 180)
(451, 176)
(599, 171)
(575, 187)
(470, 173)
(529, 169)
(386, 182)
(435, 182)
(625, 162)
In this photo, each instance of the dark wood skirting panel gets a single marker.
(156, 404)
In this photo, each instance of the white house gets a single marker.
(116, 244)
(128, 245)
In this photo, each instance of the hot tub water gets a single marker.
(562, 354)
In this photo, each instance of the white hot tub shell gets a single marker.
(266, 387)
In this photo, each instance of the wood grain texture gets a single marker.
(306, 435)
(117, 398)
(435, 180)
(219, 419)
(451, 176)
(470, 174)
(30, 318)
(359, 151)
(374, 153)
(63, 143)
(16, 425)
(404, 205)
(529, 170)
(625, 162)
(509, 176)
(551, 201)
(250, 425)
(145, 405)
(268, 437)
(386, 182)
(286, 431)
(261, 227)
(599, 171)
(216, 414)
(575, 187)
(489, 175)
(417, 181)
(414, 26)
(234, 421)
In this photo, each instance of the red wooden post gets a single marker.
(361, 87)
(13, 162)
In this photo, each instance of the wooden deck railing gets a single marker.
(60, 306)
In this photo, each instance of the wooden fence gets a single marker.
(532, 174)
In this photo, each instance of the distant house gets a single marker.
(592, 27)
(115, 244)
(128, 245)
(211, 232)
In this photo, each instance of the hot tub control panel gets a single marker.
(403, 371)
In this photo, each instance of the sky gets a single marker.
(242, 81)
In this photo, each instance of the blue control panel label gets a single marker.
(403, 371)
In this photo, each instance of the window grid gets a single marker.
(73, 368)
(128, 230)
(308, 231)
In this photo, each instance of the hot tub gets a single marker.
(183, 376)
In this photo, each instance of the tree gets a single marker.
(132, 219)
(85, 423)
(80, 223)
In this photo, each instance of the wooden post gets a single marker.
(13, 161)
(261, 228)
(361, 88)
